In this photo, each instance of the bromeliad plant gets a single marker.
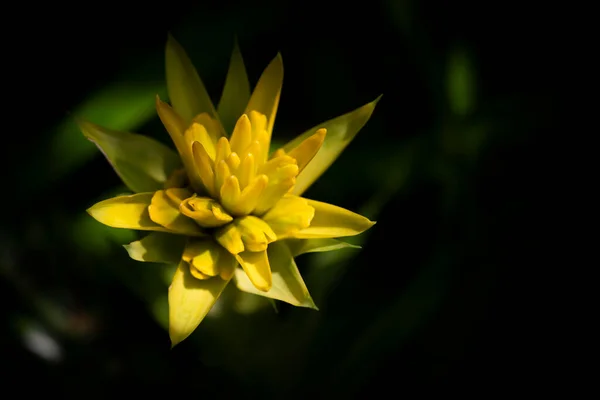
(224, 201)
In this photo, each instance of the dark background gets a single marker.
(438, 299)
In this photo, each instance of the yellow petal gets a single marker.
(306, 150)
(186, 90)
(230, 193)
(190, 299)
(142, 163)
(198, 133)
(205, 168)
(157, 247)
(205, 212)
(256, 265)
(203, 255)
(242, 135)
(251, 195)
(332, 221)
(177, 128)
(265, 98)
(340, 132)
(255, 233)
(164, 211)
(287, 285)
(289, 215)
(130, 212)
(230, 238)
(236, 91)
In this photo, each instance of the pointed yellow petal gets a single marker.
(157, 247)
(186, 90)
(142, 163)
(242, 135)
(222, 172)
(247, 171)
(230, 238)
(130, 212)
(164, 211)
(340, 132)
(289, 215)
(190, 299)
(223, 150)
(205, 168)
(332, 221)
(302, 246)
(177, 128)
(198, 133)
(288, 284)
(256, 266)
(265, 98)
(306, 150)
(251, 195)
(230, 193)
(236, 91)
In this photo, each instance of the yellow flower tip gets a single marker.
(306, 150)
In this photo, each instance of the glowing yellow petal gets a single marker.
(157, 247)
(256, 265)
(223, 150)
(205, 212)
(247, 171)
(203, 255)
(288, 284)
(198, 133)
(265, 98)
(255, 233)
(176, 127)
(230, 238)
(272, 194)
(340, 132)
(289, 215)
(222, 172)
(129, 212)
(230, 193)
(251, 195)
(236, 91)
(190, 299)
(227, 265)
(204, 167)
(308, 149)
(186, 90)
(164, 211)
(242, 135)
(331, 221)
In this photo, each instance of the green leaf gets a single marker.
(236, 92)
(340, 132)
(288, 284)
(302, 246)
(141, 162)
(157, 247)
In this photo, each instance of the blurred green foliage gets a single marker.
(440, 166)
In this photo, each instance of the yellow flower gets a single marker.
(224, 201)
